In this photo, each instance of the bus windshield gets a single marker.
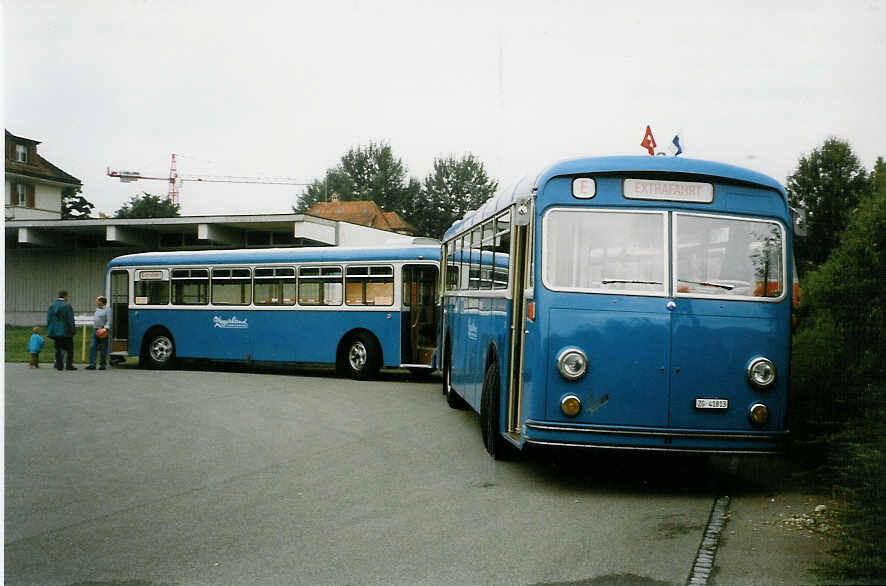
(603, 251)
(625, 252)
(728, 256)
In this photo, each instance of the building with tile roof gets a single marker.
(363, 213)
(34, 186)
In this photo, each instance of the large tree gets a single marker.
(827, 184)
(454, 186)
(148, 206)
(365, 173)
(74, 205)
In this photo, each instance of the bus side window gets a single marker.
(319, 285)
(474, 273)
(274, 286)
(502, 250)
(190, 286)
(487, 254)
(231, 286)
(369, 285)
(151, 288)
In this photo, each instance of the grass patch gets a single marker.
(17, 345)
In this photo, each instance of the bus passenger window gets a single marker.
(368, 285)
(474, 274)
(502, 251)
(452, 267)
(319, 285)
(231, 287)
(274, 286)
(190, 286)
(150, 290)
(486, 255)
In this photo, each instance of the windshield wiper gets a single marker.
(610, 281)
(707, 284)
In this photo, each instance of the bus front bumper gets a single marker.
(655, 439)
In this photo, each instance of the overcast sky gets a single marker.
(286, 88)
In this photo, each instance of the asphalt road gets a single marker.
(297, 477)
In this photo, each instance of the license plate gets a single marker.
(712, 403)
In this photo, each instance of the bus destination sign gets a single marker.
(655, 189)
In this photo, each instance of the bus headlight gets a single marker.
(570, 405)
(572, 363)
(761, 373)
(758, 414)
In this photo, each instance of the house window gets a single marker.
(21, 153)
(22, 194)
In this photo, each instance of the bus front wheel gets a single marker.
(361, 357)
(490, 420)
(159, 351)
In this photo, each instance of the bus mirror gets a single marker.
(798, 217)
(521, 218)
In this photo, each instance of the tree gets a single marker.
(827, 184)
(147, 206)
(74, 205)
(453, 187)
(365, 173)
(839, 378)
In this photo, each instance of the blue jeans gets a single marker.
(98, 346)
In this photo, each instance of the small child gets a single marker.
(34, 346)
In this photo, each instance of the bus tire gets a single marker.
(490, 422)
(362, 356)
(158, 352)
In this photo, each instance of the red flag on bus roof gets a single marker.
(648, 141)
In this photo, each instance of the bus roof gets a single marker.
(627, 164)
(278, 255)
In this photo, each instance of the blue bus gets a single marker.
(357, 308)
(623, 302)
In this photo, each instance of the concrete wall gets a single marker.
(33, 278)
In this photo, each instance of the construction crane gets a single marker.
(175, 180)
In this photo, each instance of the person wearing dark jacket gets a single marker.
(60, 327)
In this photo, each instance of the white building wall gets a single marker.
(356, 235)
(47, 204)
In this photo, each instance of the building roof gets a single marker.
(364, 213)
(36, 167)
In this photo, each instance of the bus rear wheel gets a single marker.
(361, 358)
(490, 420)
(159, 351)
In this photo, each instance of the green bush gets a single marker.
(839, 382)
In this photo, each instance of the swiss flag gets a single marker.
(648, 141)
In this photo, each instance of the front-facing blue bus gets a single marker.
(624, 302)
(358, 308)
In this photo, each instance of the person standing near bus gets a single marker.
(60, 327)
(101, 325)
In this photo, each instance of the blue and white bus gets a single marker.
(357, 308)
(623, 302)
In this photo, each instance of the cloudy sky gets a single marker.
(277, 89)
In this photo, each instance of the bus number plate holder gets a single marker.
(712, 403)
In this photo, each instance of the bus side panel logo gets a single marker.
(231, 322)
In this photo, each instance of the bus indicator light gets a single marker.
(570, 405)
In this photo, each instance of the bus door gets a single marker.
(418, 318)
(119, 300)
(522, 252)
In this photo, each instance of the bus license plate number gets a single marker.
(712, 403)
